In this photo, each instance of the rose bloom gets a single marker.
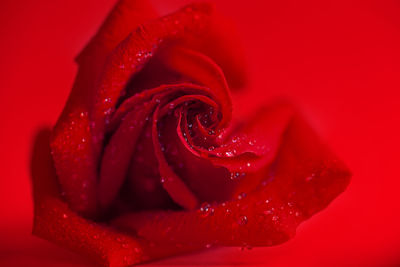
(159, 151)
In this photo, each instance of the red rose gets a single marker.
(158, 153)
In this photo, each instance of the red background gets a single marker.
(339, 61)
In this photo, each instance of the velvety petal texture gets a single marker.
(149, 157)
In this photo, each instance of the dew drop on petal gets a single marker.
(234, 175)
(310, 177)
(229, 154)
(241, 195)
(82, 114)
(242, 220)
(268, 212)
(206, 210)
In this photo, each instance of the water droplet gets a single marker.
(242, 220)
(107, 111)
(267, 212)
(162, 180)
(208, 245)
(275, 218)
(206, 210)
(234, 175)
(297, 214)
(229, 154)
(248, 164)
(211, 148)
(310, 177)
(241, 195)
(65, 216)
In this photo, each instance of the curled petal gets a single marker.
(55, 221)
(71, 139)
(304, 178)
(78, 135)
(118, 153)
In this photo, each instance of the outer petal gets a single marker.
(71, 139)
(304, 178)
(54, 220)
(77, 137)
(222, 43)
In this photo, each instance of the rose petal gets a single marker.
(267, 216)
(54, 221)
(203, 70)
(132, 53)
(71, 137)
(118, 152)
(226, 49)
(243, 173)
(125, 16)
(172, 183)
